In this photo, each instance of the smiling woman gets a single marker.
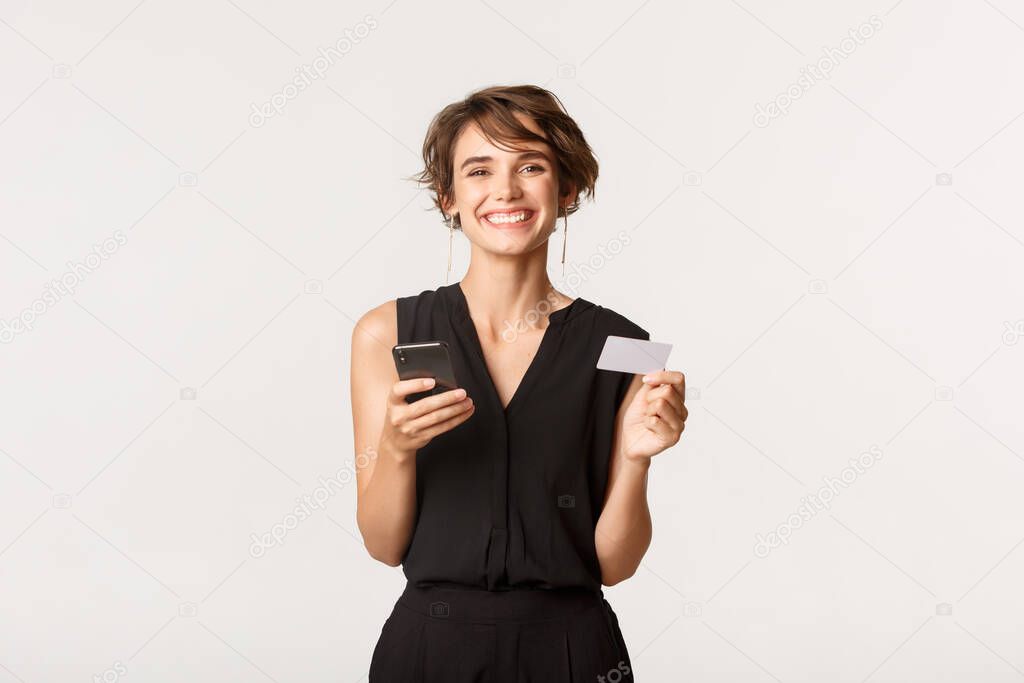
(525, 126)
(508, 115)
(510, 501)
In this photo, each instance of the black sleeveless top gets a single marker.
(510, 498)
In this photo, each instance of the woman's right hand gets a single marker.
(410, 426)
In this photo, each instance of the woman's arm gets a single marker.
(386, 480)
(623, 531)
(388, 432)
(651, 419)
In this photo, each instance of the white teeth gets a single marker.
(507, 217)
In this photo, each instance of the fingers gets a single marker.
(663, 429)
(663, 377)
(666, 412)
(673, 378)
(429, 404)
(672, 397)
(665, 422)
(422, 423)
(413, 425)
(426, 404)
(402, 388)
(450, 423)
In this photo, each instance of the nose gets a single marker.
(506, 186)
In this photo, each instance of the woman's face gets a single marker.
(507, 201)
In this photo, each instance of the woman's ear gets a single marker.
(567, 195)
(446, 206)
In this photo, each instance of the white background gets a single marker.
(826, 288)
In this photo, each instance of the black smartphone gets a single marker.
(425, 359)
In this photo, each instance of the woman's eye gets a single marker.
(481, 170)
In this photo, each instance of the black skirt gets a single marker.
(455, 635)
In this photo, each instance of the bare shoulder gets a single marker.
(376, 329)
(372, 371)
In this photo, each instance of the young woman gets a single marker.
(513, 499)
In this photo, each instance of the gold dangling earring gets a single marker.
(451, 235)
(565, 238)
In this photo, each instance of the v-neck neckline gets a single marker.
(463, 317)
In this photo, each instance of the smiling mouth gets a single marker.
(509, 218)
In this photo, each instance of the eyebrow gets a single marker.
(532, 154)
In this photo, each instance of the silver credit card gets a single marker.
(638, 356)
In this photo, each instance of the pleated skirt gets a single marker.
(454, 635)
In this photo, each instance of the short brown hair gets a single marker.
(492, 109)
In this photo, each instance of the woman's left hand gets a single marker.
(656, 417)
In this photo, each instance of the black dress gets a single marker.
(503, 581)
